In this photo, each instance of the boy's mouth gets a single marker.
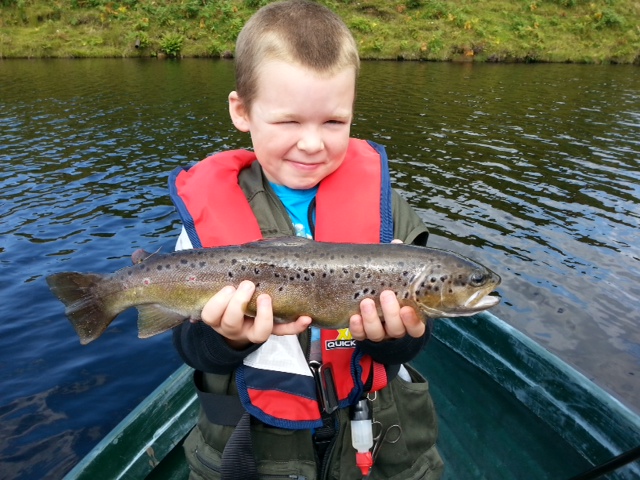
(304, 165)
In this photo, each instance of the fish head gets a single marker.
(455, 287)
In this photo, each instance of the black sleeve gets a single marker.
(397, 351)
(204, 349)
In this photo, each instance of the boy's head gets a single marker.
(295, 31)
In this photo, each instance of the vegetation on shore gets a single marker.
(585, 31)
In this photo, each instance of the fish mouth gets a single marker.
(479, 301)
(488, 301)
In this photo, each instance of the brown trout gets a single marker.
(326, 281)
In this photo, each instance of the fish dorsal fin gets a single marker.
(154, 319)
(141, 255)
(290, 241)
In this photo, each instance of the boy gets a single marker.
(296, 69)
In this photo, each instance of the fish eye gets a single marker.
(477, 279)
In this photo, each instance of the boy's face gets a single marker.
(299, 122)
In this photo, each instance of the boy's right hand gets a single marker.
(225, 313)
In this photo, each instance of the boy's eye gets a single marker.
(336, 122)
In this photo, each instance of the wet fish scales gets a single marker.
(326, 281)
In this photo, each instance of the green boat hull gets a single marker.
(508, 409)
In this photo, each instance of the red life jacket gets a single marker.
(353, 204)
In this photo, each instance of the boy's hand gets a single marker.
(398, 321)
(225, 313)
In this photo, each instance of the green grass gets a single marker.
(599, 31)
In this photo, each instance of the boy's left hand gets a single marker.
(398, 321)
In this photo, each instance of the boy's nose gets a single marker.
(311, 143)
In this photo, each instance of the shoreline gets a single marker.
(494, 31)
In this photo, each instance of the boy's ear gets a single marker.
(238, 112)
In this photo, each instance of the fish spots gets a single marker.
(365, 292)
(191, 278)
(184, 261)
(159, 267)
(146, 281)
(202, 264)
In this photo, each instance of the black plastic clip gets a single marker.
(326, 386)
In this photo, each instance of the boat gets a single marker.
(507, 408)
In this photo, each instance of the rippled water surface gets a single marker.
(532, 169)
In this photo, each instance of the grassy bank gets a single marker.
(588, 31)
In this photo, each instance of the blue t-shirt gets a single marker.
(297, 204)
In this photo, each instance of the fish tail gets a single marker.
(85, 307)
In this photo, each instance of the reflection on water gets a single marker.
(531, 169)
(538, 167)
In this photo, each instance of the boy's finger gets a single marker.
(216, 306)
(412, 322)
(393, 324)
(356, 328)
(233, 317)
(293, 328)
(263, 322)
(371, 321)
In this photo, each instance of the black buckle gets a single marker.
(323, 375)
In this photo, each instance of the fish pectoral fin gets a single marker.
(154, 319)
(428, 312)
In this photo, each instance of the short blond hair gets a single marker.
(297, 31)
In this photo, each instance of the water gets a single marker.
(531, 169)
